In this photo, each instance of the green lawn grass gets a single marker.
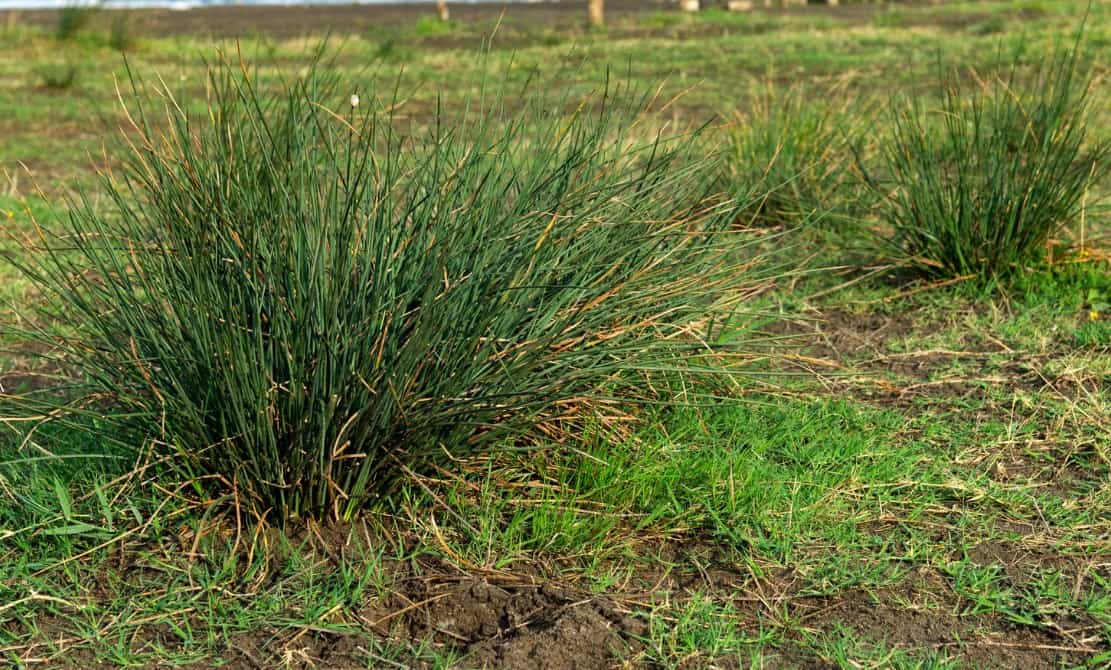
(920, 479)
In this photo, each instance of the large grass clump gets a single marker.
(297, 296)
(984, 181)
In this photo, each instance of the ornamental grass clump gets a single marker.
(296, 296)
(789, 158)
(981, 184)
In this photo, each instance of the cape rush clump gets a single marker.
(296, 296)
(983, 182)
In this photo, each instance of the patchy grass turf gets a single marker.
(923, 482)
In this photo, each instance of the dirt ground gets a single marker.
(529, 618)
(522, 619)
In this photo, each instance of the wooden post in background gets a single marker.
(597, 10)
(441, 7)
(688, 5)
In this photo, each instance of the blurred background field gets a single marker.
(58, 95)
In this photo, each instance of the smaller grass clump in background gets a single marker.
(794, 152)
(57, 76)
(72, 20)
(121, 35)
(12, 22)
(429, 26)
(984, 182)
(297, 297)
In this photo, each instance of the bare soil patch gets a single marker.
(867, 347)
(540, 626)
(980, 642)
